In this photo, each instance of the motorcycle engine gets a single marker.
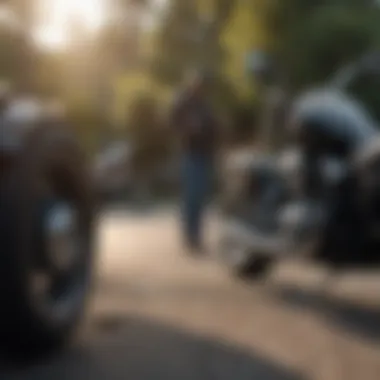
(300, 223)
(301, 219)
(367, 168)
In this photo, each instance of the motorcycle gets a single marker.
(47, 224)
(320, 196)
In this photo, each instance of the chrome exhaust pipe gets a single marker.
(247, 238)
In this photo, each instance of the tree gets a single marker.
(190, 37)
(151, 142)
(316, 37)
(176, 42)
(18, 54)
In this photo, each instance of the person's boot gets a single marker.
(194, 248)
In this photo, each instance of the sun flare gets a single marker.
(53, 29)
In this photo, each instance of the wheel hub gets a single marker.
(61, 235)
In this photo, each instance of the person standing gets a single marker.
(195, 124)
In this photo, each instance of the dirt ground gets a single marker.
(158, 314)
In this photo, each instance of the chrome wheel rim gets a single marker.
(61, 229)
(55, 281)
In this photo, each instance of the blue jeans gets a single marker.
(196, 180)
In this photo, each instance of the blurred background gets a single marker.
(116, 64)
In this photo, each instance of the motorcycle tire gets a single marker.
(245, 265)
(255, 268)
(50, 167)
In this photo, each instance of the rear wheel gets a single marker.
(256, 268)
(46, 261)
(243, 263)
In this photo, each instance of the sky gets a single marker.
(54, 15)
(53, 28)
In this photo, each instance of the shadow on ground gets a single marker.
(357, 320)
(137, 349)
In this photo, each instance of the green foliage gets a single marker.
(131, 85)
(147, 132)
(87, 122)
(193, 34)
(17, 57)
(106, 76)
(176, 42)
(190, 37)
(366, 90)
(330, 36)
